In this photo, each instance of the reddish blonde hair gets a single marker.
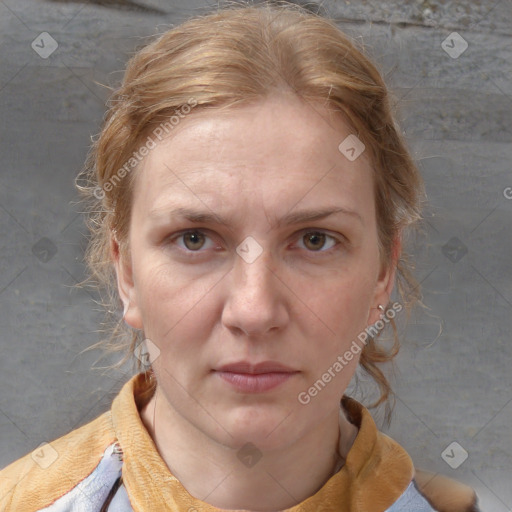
(228, 58)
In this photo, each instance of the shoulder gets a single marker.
(52, 470)
(389, 471)
(446, 494)
(441, 495)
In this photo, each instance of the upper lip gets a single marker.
(263, 367)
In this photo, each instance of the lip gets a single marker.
(255, 378)
(256, 368)
(255, 382)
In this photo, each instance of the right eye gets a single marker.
(192, 241)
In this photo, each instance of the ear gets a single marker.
(385, 282)
(125, 284)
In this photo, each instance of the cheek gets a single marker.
(342, 303)
(171, 302)
(342, 312)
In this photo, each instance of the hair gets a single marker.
(230, 57)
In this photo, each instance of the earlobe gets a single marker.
(386, 282)
(125, 284)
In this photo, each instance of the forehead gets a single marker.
(280, 145)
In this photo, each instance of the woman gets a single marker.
(249, 195)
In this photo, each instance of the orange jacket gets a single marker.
(112, 464)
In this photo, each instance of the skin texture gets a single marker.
(301, 302)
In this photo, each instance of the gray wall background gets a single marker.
(453, 378)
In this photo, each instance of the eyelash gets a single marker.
(195, 254)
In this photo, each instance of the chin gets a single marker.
(266, 429)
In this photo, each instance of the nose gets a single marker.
(256, 303)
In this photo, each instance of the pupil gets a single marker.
(193, 237)
(316, 238)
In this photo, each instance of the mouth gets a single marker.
(247, 377)
(255, 382)
(256, 368)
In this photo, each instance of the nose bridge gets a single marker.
(254, 303)
(252, 270)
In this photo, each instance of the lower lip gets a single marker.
(255, 383)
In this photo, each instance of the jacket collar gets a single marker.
(376, 472)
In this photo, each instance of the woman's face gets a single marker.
(254, 274)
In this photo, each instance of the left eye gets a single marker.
(315, 240)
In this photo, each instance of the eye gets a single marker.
(193, 241)
(314, 241)
(196, 241)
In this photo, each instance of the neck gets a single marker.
(279, 480)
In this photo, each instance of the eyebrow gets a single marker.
(290, 218)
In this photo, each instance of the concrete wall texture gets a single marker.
(449, 65)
